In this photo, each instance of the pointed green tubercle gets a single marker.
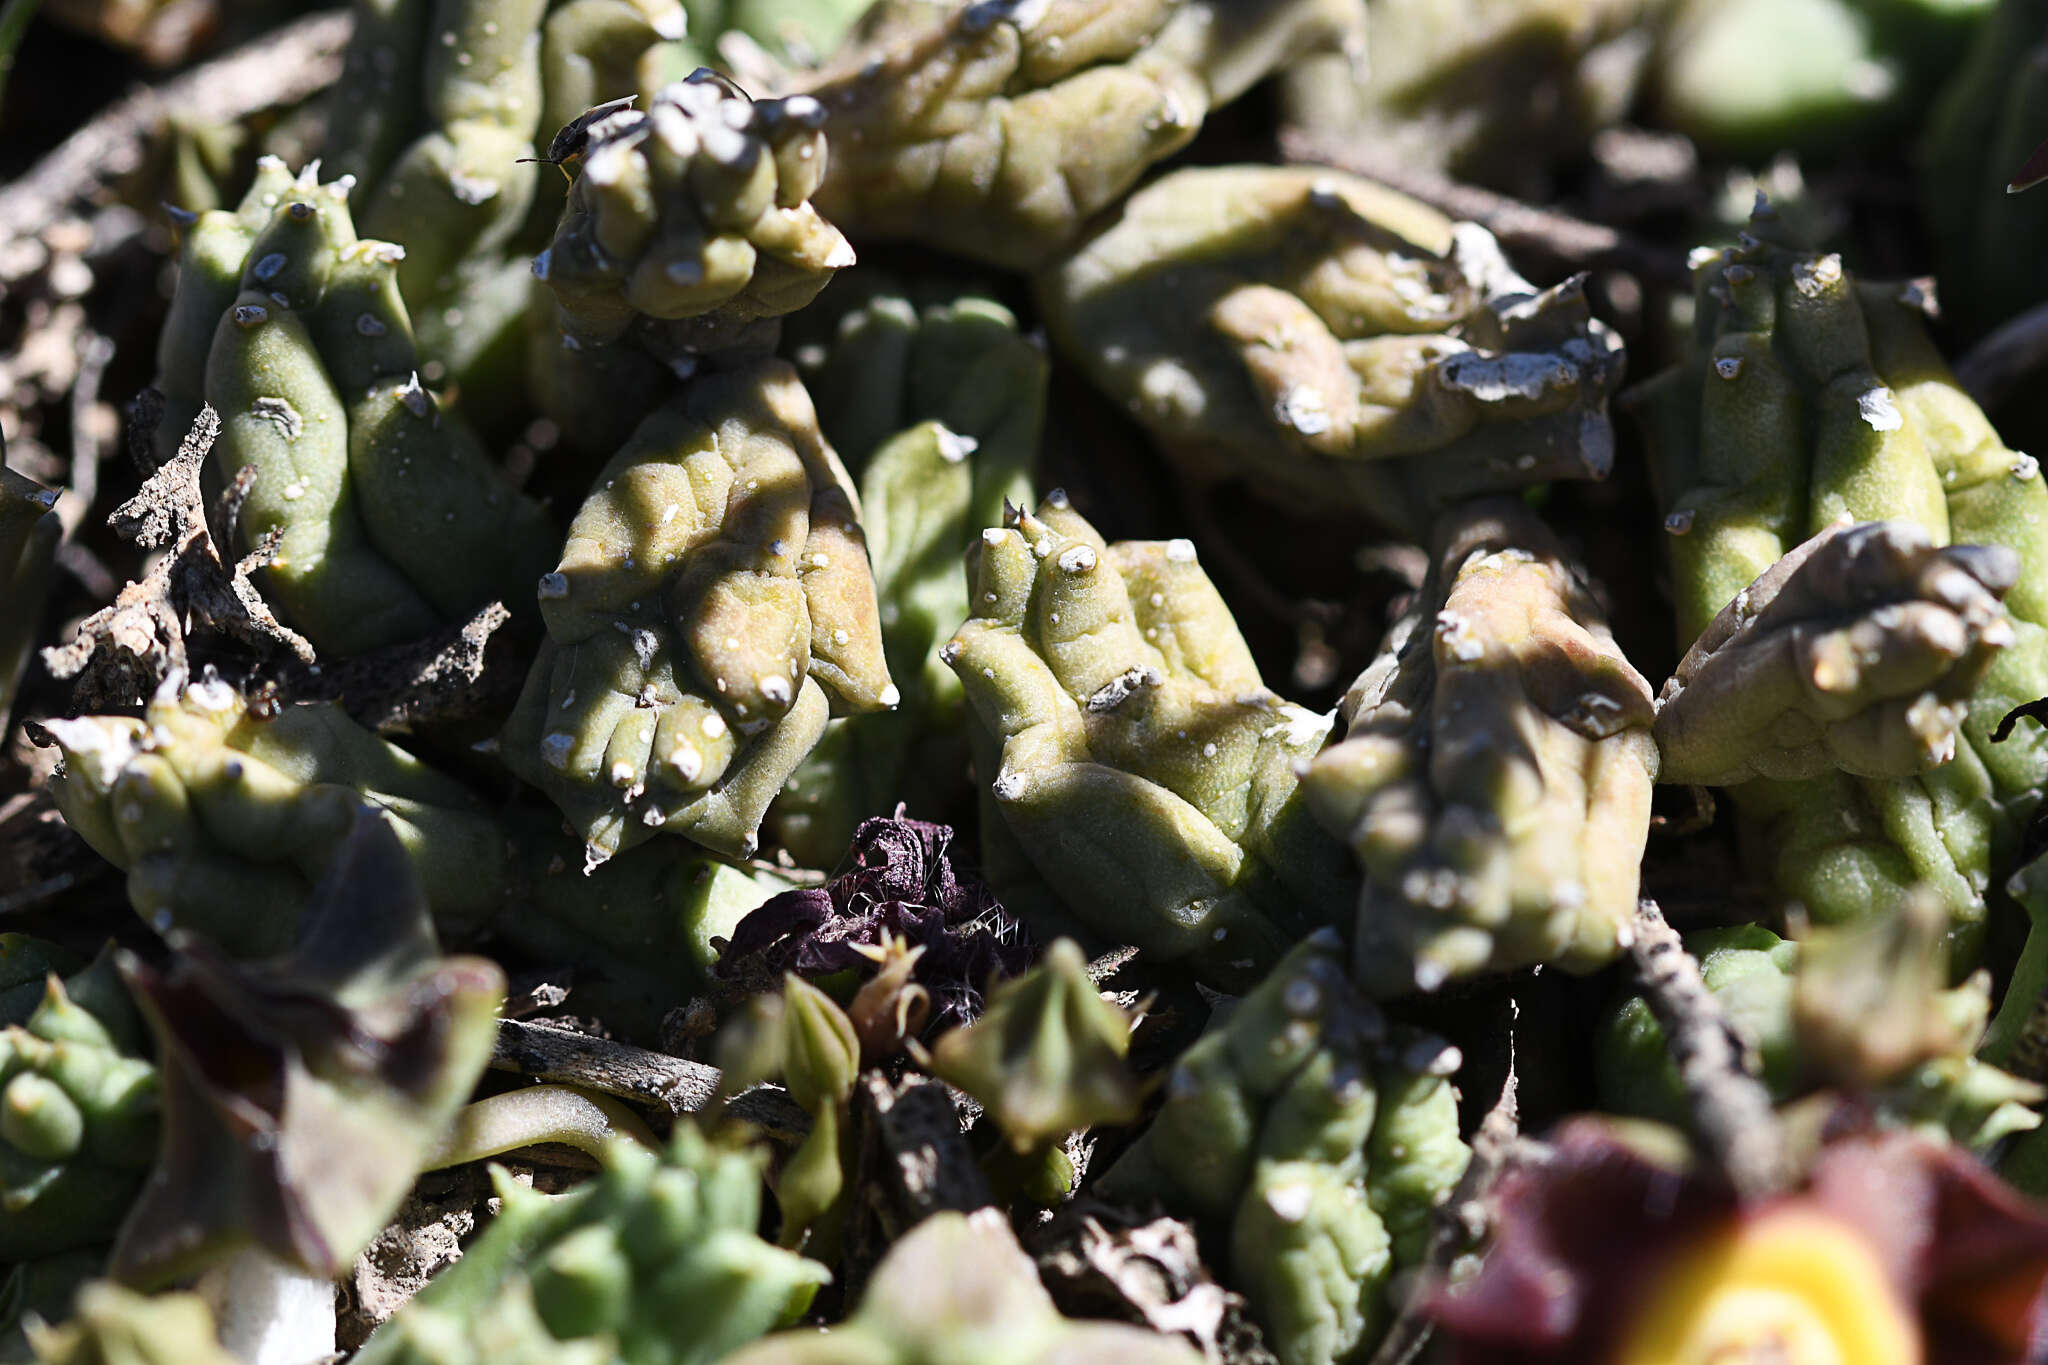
(1141, 765)
(712, 607)
(653, 1262)
(1310, 1142)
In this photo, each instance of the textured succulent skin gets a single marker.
(29, 531)
(1311, 1140)
(1988, 120)
(1857, 652)
(1753, 974)
(1749, 971)
(302, 1095)
(1491, 91)
(938, 406)
(799, 32)
(1138, 761)
(644, 926)
(698, 206)
(224, 818)
(1047, 1057)
(655, 1261)
(1333, 344)
(597, 51)
(394, 520)
(1752, 77)
(996, 130)
(957, 1290)
(438, 103)
(713, 605)
(111, 1325)
(1495, 773)
(1810, 397)
(78, 1102)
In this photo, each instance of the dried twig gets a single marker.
(673, 1083)
(1733, 1118)
(912, 1159)
(281, 68)
(1996, 365)
(123, 651)
(426, 681)
(1570, 242)
(95, 352)
(1100, 1261)
(919, 1161)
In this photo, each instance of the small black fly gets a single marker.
(574, 140)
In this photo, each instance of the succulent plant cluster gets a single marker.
(390, 517)
(1321, 1137)
(1035, 734)
(655, 1260)
(79, 1102)
(1142, 767)
(1332, 342)
(225, 816)
(1812, 397)
(998, 130)
(1495, 771)
(701, 203)
(713, 606)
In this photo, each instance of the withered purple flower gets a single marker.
(901, 883)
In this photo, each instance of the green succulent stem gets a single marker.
(541, 1113)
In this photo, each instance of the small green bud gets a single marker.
(583, 1284)
(821, 1054)
(39, 1120)
(1048, 1056)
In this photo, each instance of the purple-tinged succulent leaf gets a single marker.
(300, 1096)
(1896, 1247)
